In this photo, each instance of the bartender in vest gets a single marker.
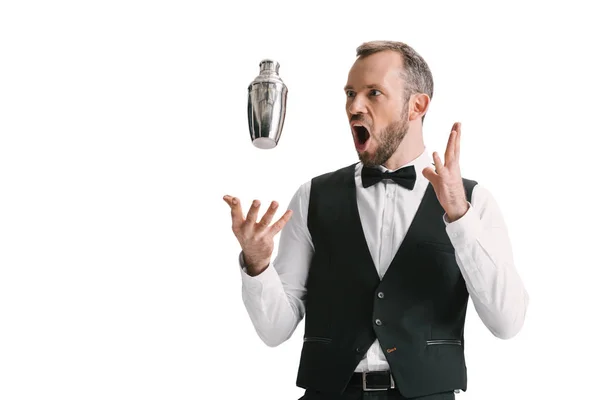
(381, 256)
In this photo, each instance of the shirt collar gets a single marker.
(423, 161)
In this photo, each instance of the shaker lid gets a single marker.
(269, 73)
(269, 66)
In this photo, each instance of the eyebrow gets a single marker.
(372, 86)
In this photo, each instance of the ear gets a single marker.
(419, 103)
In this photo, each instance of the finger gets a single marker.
(253, 212)
(457, 141)
(278, 226)
(266, 219)
(237, 217)
(450, 146)
(437, 161)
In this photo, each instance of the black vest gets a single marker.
(417, 311)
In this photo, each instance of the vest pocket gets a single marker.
(316, 339)
(437, 246)
(455, 342)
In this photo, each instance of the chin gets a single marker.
(366, 158)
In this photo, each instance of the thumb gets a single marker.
(430, 174)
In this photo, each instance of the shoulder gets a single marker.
(322, 184)
(478, 190)
(336, 175)
(469, 183)
(483, 199)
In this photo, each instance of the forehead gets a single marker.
(384, 69)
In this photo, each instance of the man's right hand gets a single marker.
(256, 238)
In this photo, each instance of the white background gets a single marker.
(122, 125)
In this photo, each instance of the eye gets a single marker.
(375, 92)
(350, 93)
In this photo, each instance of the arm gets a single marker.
(274, 298)
(484, 256)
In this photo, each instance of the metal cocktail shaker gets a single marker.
(267, 101)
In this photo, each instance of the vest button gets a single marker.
(357, 349)
(378, 322)
(380, 295)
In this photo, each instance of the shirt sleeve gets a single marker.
(274, 299)
(484, 255)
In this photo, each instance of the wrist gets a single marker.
(457, 211)
(255, 266)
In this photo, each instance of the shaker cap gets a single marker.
(268, 66)
(269, 73)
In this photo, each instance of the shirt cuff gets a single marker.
(465, 230)
(254, 284)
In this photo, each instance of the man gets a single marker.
(382, 264)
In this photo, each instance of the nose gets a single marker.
(356, 105)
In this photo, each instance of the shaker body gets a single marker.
(267, 102)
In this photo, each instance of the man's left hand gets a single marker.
(447, 180)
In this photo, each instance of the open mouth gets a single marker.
(361, 136)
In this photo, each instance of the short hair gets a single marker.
(417, 74)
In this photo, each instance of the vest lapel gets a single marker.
(355, 224)
(428, 209)
(423, 226)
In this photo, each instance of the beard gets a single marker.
(388, 139)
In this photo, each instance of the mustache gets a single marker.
(360, 118)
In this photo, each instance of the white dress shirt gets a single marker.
(274, 298)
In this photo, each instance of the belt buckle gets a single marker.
(366, 389)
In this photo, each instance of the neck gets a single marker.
(411, 147)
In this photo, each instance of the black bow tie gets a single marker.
(404, 177)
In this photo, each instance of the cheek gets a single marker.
(376, 134)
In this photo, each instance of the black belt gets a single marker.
(371, 381)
